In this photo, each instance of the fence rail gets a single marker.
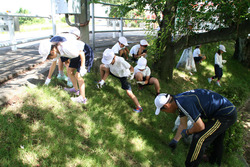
(13, 42)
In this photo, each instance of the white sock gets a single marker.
(61, 73)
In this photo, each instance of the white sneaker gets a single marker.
(218, 83)
(79, 100)
(209, 80)
(100, 85)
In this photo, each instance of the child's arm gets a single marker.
(52, 69)
(83, 71)
(82, 56)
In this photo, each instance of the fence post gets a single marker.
(121, 26)
(93, 26)
(53, 16)
(12, 32)
(114, 27)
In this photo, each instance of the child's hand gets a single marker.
(224, 61)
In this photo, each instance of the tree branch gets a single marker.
(232, 32)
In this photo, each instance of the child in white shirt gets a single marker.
(119, 68)
(218, 61)
(143, 75)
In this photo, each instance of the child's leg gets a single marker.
(81, 83)
(104, 72)
(139, 76)
(72, 77)
(60, 67)
(133, 97)
(155, 81)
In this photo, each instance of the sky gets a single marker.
(40, 7)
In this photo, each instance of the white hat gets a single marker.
(108, 56)
(75, 31)
(144, 42)
(222, 48)
(141, 64)
(160, 101)
(123, 41)
(44, 49)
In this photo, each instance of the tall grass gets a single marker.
(46, 129)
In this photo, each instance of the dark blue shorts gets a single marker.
(125, 84)
(63, 59)
(197, 59)
(74, 63)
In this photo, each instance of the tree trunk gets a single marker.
(242, 51)
(167, 62)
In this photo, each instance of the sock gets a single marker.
(61, 73)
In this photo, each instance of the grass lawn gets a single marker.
(46, 129)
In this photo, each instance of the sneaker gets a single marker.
(62, 77)
(71, 90)
(99, 85)
(77, 93)
(209, 80)
(190, 73)
(69, 84)
(138, 109)
(218, 83)
(79, 100)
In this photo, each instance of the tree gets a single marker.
(23, 20)
(216, 20)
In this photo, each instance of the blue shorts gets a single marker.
(125, 84)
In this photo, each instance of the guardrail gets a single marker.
(13, 42)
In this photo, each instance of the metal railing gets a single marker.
(13, 42)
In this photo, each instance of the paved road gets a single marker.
(25, 67)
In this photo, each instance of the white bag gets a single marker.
(186, 61)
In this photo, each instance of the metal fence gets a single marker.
(7, 21)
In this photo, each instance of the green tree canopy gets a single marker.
(215, 20)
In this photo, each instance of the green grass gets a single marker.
(47, 129)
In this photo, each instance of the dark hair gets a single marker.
(52, 46)
(170, 100)
(197, 46)
(219, 51)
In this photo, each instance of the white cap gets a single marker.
(160, 101)
(222, 48)
(141, 64)
(123, 41)
(144, 42)
(75, 31)
(108, 56)
(44, 49)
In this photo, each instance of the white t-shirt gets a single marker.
(196, 52)
(71, 49)
(146, 72)
(116, 48)
(218, 60)
(134, 50)
(120, 68)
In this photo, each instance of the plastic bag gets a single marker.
(186, 61)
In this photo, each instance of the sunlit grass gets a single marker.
(47, 129)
